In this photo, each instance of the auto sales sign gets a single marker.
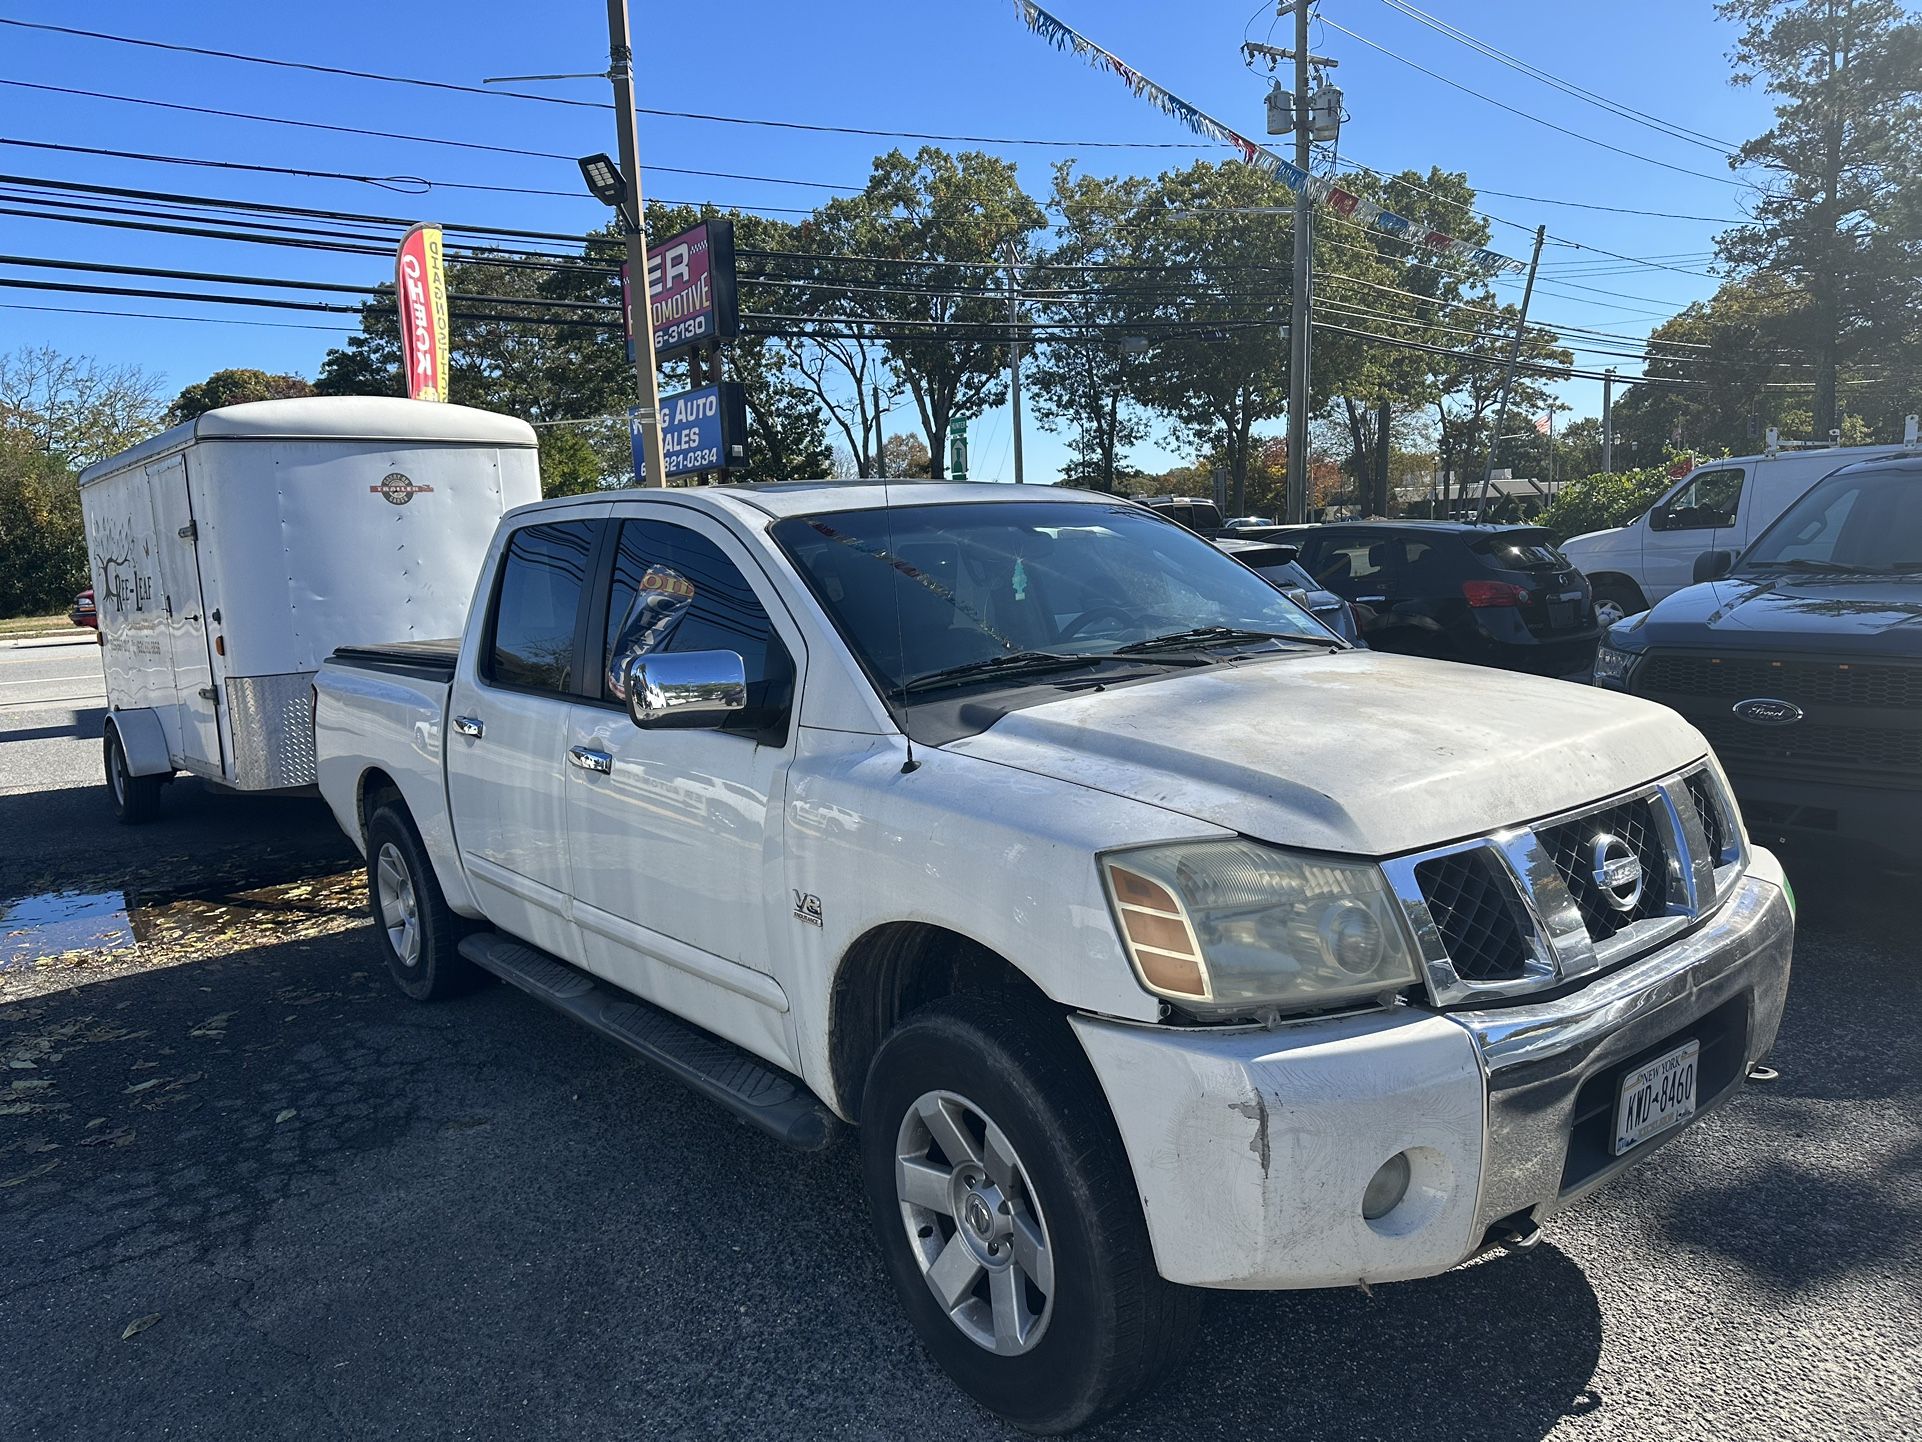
(701, 430)
(691, 296)
(420, 289)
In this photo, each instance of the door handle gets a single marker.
(589, 759)
(469, 726)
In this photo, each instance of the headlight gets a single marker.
(1611, 666)
(1226, 927)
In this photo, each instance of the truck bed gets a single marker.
(422, 660)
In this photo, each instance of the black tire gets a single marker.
(435, 970)
(136, 799)
(1619, 592)
(1113, 1327)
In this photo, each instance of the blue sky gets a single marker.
(965, 67)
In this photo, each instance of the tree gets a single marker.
(76, 408)
(1846, 147)
(907, 456)
(41, 534)
(1218, 365)
(950, 218)
(232, 388)
(1468, 391)
(1088, 379)
(570, 466)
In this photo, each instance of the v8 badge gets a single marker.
(807, 907)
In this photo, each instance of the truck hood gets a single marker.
(1351, 751)
(1594, 541)
(1872, 616)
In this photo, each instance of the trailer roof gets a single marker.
(367, 418)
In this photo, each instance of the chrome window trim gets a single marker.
(1557, 940)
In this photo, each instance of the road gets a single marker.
(48, 685)
(350, 1216)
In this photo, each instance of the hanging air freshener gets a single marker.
(1020, 581)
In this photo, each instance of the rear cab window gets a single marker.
(533, 627)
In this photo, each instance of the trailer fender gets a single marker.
(143, 740)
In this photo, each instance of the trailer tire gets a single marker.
(136, 799)
(417, 932)
(1047, 1183)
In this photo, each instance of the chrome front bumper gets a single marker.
(1251, 1147)
(1727, 981)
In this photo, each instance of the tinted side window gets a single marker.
(1706, 503)
(538, 605)
(674, 590)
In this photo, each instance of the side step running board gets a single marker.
(759, 1094)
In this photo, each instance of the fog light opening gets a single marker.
(1386, 1188)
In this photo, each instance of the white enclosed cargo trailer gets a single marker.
(233, 553)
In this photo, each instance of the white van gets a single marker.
(1719, 506)
(233, 553)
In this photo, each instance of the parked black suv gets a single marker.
(1802, 661)
(1493, 595)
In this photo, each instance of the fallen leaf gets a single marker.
(29, 1176)
(20, 1063)
(95, 1122)
(152, 1081)
(139, 1325)
(118, 1137)
(39, 1084)
(286, 1116)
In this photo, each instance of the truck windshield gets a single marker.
(1867, 522)
(928, 592)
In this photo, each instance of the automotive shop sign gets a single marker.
(701, 430)
(691, 297)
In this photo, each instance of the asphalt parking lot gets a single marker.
(247, 1190)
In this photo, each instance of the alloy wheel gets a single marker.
(399, 907)
(974, 1225)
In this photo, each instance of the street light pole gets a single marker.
(1298, 326)
(1608, 421)
(620, 71)
(1014, 351)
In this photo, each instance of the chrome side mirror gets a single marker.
(705, 687)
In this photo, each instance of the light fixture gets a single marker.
(604, 180)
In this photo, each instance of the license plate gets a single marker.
(1656, 1097)
(1561, 615)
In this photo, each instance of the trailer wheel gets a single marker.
(136, 799)
(417, 932)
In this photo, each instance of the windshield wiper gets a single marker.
(1216, 635)
(1024, 663)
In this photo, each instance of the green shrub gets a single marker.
(1597, 502)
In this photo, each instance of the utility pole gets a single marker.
(880, 439)
(620, 70)
(1299, 332)
(1508, 374)
(1608, 421)
(1014, 352)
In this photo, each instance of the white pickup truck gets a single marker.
(1154, 938)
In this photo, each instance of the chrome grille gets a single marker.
(1530, 908)
(1573, 846)
(1473, 903)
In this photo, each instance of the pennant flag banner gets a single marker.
(1318, 188)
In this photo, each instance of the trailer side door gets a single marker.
(196, 700)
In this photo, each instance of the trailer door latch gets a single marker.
(207, 693)
(190, 531)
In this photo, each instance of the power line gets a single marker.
(185, 319)
(1534, 72)
(1527, 115)
(411, 139)
(496, 92)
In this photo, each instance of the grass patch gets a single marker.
(35, 625)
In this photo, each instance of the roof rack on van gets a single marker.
(1911, 439)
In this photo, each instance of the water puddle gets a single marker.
(38, 928)
(64, 921)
